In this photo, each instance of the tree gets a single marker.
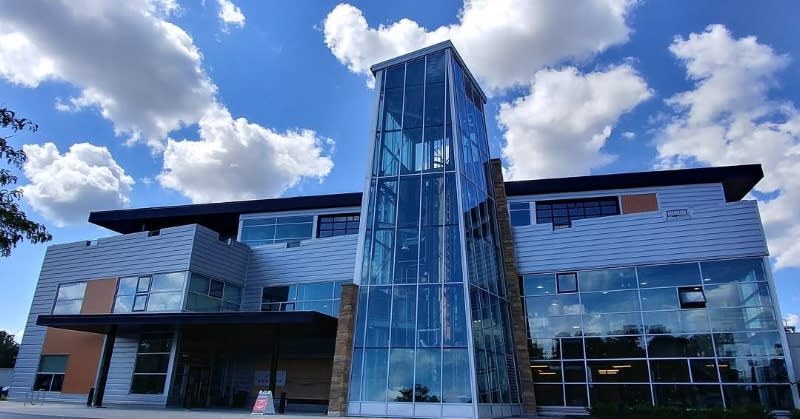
(14, 224)
(8, 350)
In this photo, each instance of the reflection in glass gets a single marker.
(773, 397)
(704, 370)
(669, 275)
(744, 344)
(553, 305)
(612, 324)
(670, 370)
(618, 371)
(405, 259)
(748, 294)
(686, 395)
(403, 316)
(681, 321)
(408, 212)
(741, 319)
(610, 301)
(540, 284)
(548, 327)
(401, 375)
(429, 322)
(430, 255)
(738, 270)
(544, 349)
(454, 313)
(428, 383)
(455, 376)
(546, 372)
(606, 280)
(615, 347)
(659, 299)
(753, 370)
(375, 373)
(679, 346)
(355, 374)
(377, 332)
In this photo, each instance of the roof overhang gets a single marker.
(737, 181)
(295, 322)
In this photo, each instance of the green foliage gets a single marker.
(613, 411)
(8, 350)
(795, 413)
(14, 225)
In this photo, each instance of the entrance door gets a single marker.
(197, 386)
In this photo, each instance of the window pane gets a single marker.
(615, 347)
(202, 303)
(773, 397)
(432, 195)
(148, 384)
(377, 333)
(127, 286)
(670, 371)
(428, 382)
(539, 284)
(152, 363)
(315, 291)
(627, 394)
(412, 151)
(520, 218)
(198, 284)
(247, 222)
(143, 284)
(683, 321)
(452, 255)
(659, 299)
(455, 376)
(567, 282)
(549, 394)
(43, 382)
(408, 211)
(275, 294)
(163, 301)
(669, 275)
(691, 396)
(155, 344)
(741, 319)
(401, 375)
(293, 231)
(618, 371)
(740, 270)
(67, 307)
(389, 163)
(232, 294)
(572, 348)
(704, 370)
(454, 312)
(576, 395)
(753, 370)
(431, 258)
(71, 291)
(748, 294)
(405, 260)
(415, 72)
(382, 257)
(168, 282)
(412, 107)
(610, 302)
(53, 363)
(553, 305)
(216, 289)
(548, 327)
(574, 371)
(544, 349)
(612, 324)
(435, 68)
(429, 306)
(748, 344)
(404, 316)
(260, 234)
(546, 372)
(608, 279)
(123, 304)
(677, 346)
(355, 374)
(140, 303)
(375, 374)
(434, 104)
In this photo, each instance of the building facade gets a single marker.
(441, 291)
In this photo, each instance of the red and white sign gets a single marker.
(264, 404)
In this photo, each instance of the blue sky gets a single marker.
(158, 102)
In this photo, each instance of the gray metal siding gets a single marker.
(120, 372)
(328, 259)
(713, 231)
(219, 259)
(129, 254)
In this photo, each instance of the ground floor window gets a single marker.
(152, 364)
(50, 375)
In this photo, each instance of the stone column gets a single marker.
(518, 323)
(343, 353)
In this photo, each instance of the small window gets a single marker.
(217, 288)
(562, 213)
(337, 225)
(692, 297)
(50, 374)
(140, 303)
(143, 285)
(69, 298)
(519, 213)
(567, 282)
(153, 233)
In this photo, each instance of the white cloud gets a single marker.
(728, 118)
(629, 135)
(145, 75)
(230, 14)
(66, 187)
(792, 320)
(502, 41)
(229, 162)
(561, 125)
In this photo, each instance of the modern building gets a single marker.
(440, 291)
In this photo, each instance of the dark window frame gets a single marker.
(562, 212)
(332, 224)
(689, 302)
(50, 374)
(558, 282)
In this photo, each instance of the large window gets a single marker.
(211, 295)
(268, 230)
(705, 332)
(158, 292)
(562, 213)
(50, 374)
(337, 225)
(152, 364)
(69, 298)
(322, 297)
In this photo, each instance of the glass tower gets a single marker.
(432, 331)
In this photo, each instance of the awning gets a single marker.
(289, 322)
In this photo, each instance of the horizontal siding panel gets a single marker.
(713, 231)
(329, 259)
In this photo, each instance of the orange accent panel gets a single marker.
(99, 296)
(639, 203)
(83, 348)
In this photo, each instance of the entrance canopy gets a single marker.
(288, 322)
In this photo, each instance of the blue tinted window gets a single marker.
(405, 260)
(403, 316)
(739, 270)
(435, 68)
(429, 309)
(610, 302)
(659, 299)
(669, 275)
(408, 211)
(540, 284)
(749, 294)
(413, 106)
(608, 279)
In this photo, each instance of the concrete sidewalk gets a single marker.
(55, 409)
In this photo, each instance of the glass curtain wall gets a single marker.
(695, 334)
(411, 342)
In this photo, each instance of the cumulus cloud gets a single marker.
(560, 126)
(629, 135)
(145, 75)
(228, 162)
(66, 187)
(502, 41)
(792, 319)
(230, 14)
(728, 118)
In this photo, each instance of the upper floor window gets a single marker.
(69, 298)
(209, 295)
(268, 230)
(520, 213)
(337, 225)
(317, 296)
(563, 212)
(159, 292)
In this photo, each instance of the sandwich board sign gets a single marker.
(264, 404)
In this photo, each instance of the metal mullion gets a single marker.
(713, 343)
(644, 339)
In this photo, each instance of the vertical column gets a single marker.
(514, 293)
(343, 352)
